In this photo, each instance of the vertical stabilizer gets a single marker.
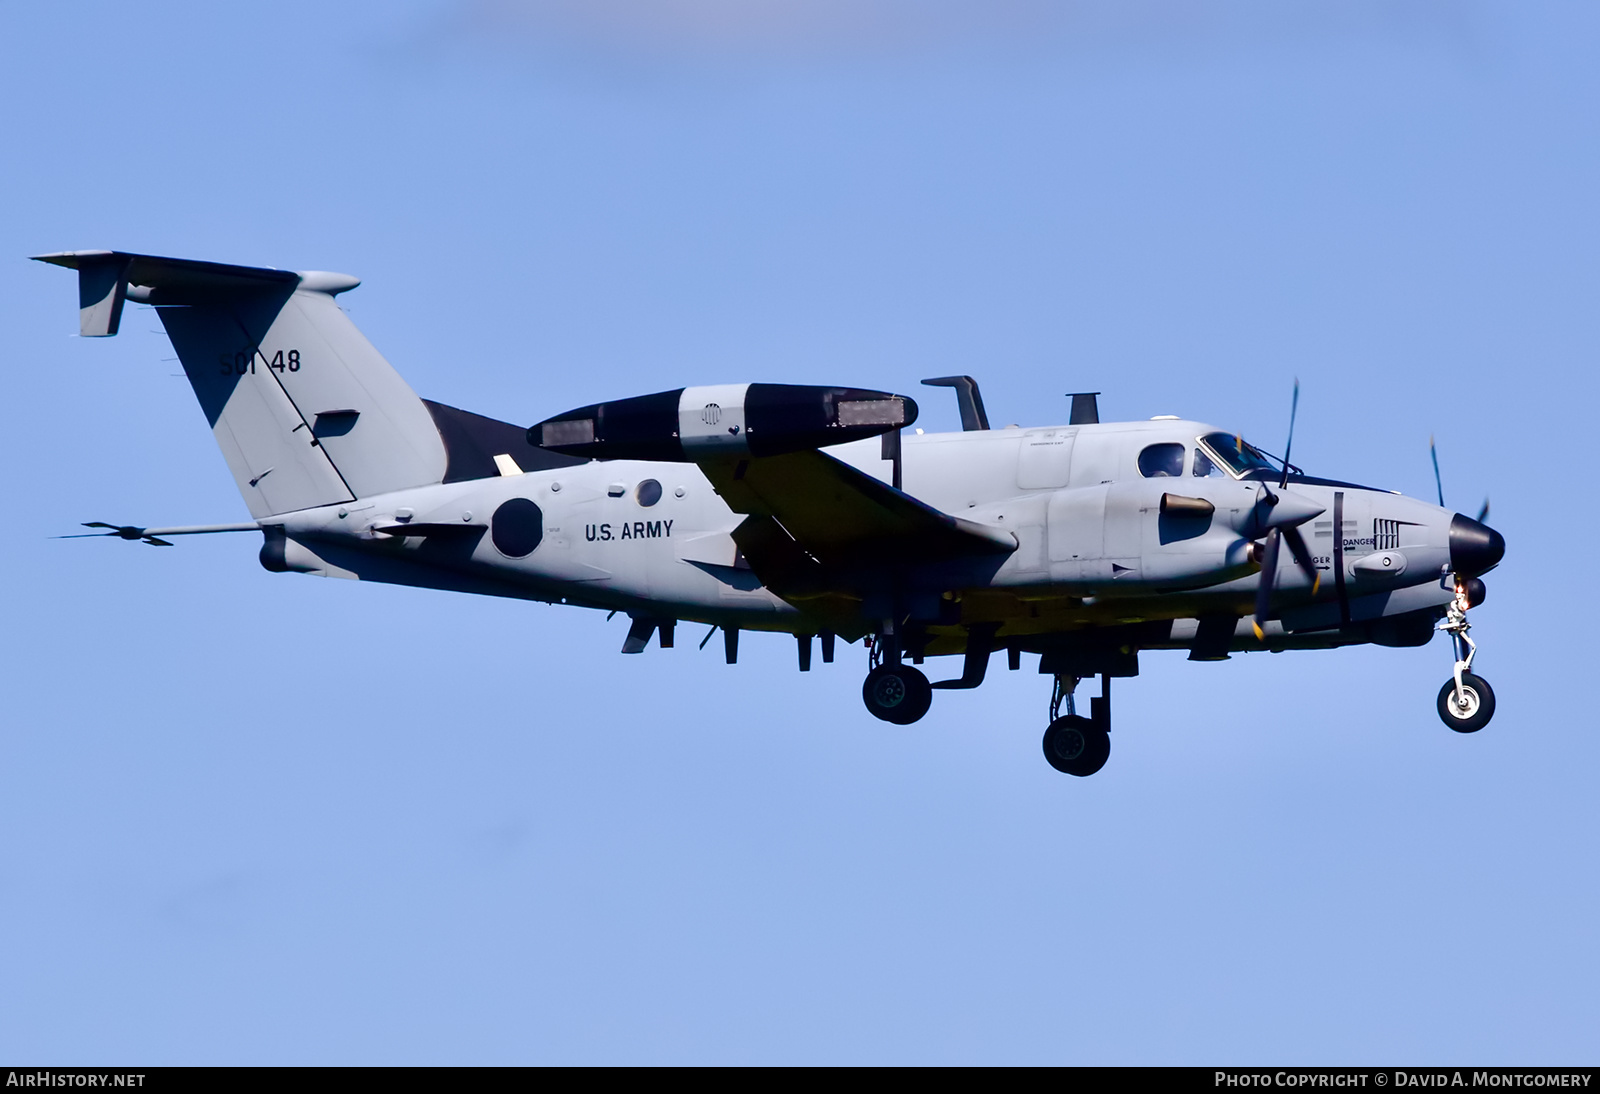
(305, 410)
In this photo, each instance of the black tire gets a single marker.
(1074, 745)
(1480, 704)
(897, 693)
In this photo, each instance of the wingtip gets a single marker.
(69, 259)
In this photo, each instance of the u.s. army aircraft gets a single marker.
(803, 510)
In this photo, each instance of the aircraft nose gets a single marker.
(1474, 548)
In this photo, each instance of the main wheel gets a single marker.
(1076, 746)
(1474, 714)
(897, 693)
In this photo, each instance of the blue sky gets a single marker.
(264, 818)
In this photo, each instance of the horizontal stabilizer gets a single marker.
(104, 278)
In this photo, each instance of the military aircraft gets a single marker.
(806, 510)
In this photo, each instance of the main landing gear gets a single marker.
(897, 693)
(1466, 702)
(894, 691)
(1073, 744)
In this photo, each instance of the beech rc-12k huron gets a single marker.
(806, 510)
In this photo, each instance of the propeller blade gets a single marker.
(1433, 450)
(1483, 513)
(1269, 574)
(1294, 408)
(154, 542)
(1297, 548)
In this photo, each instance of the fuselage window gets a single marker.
(1161, 461)
(1204, 468)
(649, 492)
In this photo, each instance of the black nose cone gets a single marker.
(1474, 548)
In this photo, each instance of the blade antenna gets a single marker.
(1433, 450)
(1294, 408)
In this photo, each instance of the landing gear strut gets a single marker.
(1073, 744)
(1466, 702)
(893, 691)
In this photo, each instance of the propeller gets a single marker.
(1294, 408)
(1284, 515)
(1266, 555)
(121, 531)
(1433, 450)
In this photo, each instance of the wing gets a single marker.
(815, 527)
(812, 521)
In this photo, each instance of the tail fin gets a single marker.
(305, 411)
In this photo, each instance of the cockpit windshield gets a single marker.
(1235, 453)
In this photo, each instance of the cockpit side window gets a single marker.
(1162, 461)
(1204, 467)
(1235, 453)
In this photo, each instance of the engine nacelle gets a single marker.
(733, 419)
(1134, 537)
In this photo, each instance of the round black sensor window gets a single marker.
(517, 528)
(649, 492)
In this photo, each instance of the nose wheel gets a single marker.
(1466, 702)
(1467, 706)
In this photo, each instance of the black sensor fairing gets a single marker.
(687, 424)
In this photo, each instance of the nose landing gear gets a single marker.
(1466, 702)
